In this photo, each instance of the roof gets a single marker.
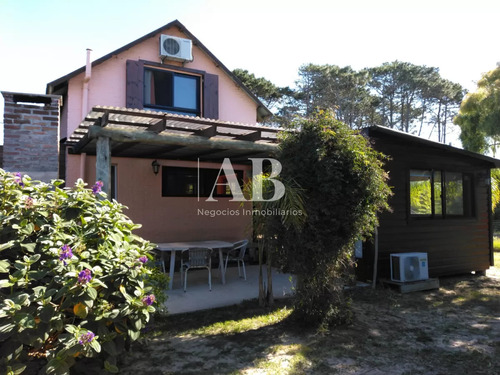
(263, 112)
(150, 134)
(402, 136)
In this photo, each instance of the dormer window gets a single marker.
(172, 91)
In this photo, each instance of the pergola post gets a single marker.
(103, 164)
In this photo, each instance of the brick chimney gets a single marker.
(31, 134)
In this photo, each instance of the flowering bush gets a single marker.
(75, 285)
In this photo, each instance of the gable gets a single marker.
(113, 77)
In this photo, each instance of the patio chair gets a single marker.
(237, 253)
(158, 260)
(196, 258)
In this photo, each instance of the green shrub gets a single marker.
(74, 284)
(344, 187)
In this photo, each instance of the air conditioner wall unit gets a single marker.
(175, 48)
(409, 267)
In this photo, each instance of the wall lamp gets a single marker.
(156, 166)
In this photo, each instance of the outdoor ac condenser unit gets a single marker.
(175, 48)
(409, 267)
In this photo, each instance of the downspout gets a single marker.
(85, 89)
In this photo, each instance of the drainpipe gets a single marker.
(85, 90)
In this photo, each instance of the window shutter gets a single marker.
(135, 84)
(211, 96)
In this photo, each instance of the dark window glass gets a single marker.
(172, 92)
(191, 182)
(454, 188)
(468, 187)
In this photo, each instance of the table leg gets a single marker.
(172, 269)
(222, 270)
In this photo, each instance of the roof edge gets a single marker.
(397, 133)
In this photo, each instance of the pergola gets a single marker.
(125, 132)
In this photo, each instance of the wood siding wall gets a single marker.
(454, 245)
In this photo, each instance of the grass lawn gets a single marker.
(496, 251)
(453, 330)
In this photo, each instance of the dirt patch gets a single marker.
(453, 330)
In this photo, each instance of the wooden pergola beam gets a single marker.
(255, 136)
(129, 135)
(158, 127)
(186, 119)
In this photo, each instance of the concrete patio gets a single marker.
(236, 289)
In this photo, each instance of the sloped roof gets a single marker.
(402, 136)
(54, 86)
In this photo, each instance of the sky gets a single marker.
(42, 40)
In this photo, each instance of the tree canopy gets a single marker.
(400, 95)
(271, 95)
(479, 115)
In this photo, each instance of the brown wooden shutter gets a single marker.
(135, 84)
(211, 96)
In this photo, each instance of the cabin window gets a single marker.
(194, 182)
(435, 193)
(172, 92)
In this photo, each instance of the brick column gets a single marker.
(31, 134)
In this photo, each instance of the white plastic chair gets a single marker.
(237, 253)
(199, 257)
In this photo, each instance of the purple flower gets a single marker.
(143, 259)
(65, 253)
(86, 338)
(149, 300)
(97, 187)
(85, 276)
(18, 179)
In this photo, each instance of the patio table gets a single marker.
(173, 247)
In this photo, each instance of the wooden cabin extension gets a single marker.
(441, 206)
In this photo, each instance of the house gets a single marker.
(153, 120)
(441, 206)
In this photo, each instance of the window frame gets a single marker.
(197, 76)
(203, 186)
(468, 195)
(134, 86)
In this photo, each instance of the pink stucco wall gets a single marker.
(108, 82)
(166, 219)
(163, 219)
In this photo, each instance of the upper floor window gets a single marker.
(435, 193)
(172, 91)
(171, 88)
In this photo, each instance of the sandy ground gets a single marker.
(452, 330)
